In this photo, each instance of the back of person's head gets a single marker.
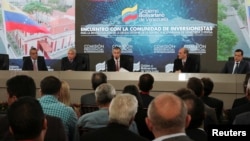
(247, 76)
(146, 82)
(122, 109)
(65, 93)
(97, 79)
(196, 110)
(183, 91)
(104, 93)
(21, 85)
(208, 85)
(50, 85)
(167, 114)
(132, 89)
(26, 118)
(196, 85)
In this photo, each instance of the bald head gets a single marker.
(167, 114)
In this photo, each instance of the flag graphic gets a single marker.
(129, 14)
(100, 66)
(15, 19)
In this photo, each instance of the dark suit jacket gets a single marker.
(242, 119)
(88, 99)
(238, 110)
(146, 99)
(178, 138)
(240, 101)
(28, 65)
(197, 134)
(243, 67)
(141, 123)
(214, 103)
(78, 64)
(113, 132)
(55, 131)
(190, 65)
(123, 64)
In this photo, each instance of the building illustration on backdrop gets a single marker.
(49, 27)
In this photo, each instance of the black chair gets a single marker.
(87, 109)
(130, 59)
(244, 58)
(4, 62)
(85, 60)
(197, 59)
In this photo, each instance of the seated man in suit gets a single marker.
(213, 102)
(72, 61)
(30, 114)
(184, 63)
(238, 65)
(97, 79)
(34, 62)
(117, 61)
(246, 98)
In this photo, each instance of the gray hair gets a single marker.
(72, 50)
(104, 93)
(122, 109)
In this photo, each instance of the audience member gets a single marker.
(196, 85)
(50, 89)
(72, 61)
(141, 112)
(241, 108)
(238, 65)
(145, 84)
(117, 61)
(20, 86)
(167, 118)
(184, 63)
(122, 110)
(245, 99)
(211, 101)
(97, 79)
(30, 114)
(34, 62)
(65, 97)
(242, 119)
(104, 94)
(196, 110)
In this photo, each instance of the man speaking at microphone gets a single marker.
(118, 62)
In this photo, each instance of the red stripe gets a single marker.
(130, 17)
(24, 27)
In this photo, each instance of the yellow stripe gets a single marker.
(9, 7)
(130, 9)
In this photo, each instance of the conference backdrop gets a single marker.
(152, 31)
